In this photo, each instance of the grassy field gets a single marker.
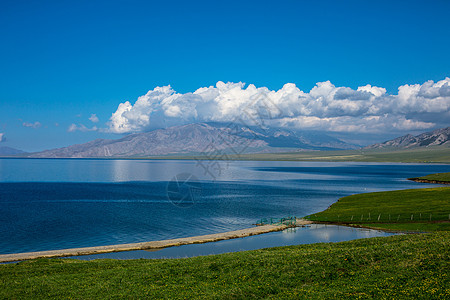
(436, 155)
(416, 209)
(397, 267)
(419, 155)
(444, 177)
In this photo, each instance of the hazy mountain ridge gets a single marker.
(201, 138)
(8, 151)
(194, 138)
(438, 137)
(219, 138)
(284, 138)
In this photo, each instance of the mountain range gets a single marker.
(200, 139)
(8, 151)
(212, 139)
(439, 137)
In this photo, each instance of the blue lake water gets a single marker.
(50, 204)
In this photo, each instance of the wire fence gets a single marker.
(277, 221)
(382, 217)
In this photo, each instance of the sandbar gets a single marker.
(150, 245)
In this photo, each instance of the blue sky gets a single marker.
(62, 61)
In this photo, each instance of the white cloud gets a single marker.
(32, 125)
(93, 118)
(325, 107)
(74, 127)
(2, 137)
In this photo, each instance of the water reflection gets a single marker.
(94, 170)
(315, 233)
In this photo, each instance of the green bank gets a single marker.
(413, 210)
(405, 210)
(443, 178)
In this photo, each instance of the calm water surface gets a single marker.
(315, 233)
(50, 204)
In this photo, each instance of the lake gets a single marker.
(48, 204)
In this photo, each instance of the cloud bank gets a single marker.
(325, 107)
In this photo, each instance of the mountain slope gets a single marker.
(284, 138)
(439, 137)
(200, 138)
(8, 151)
(187, 139)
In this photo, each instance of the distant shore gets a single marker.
(149, 245)
(436, 154)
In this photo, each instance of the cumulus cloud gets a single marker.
(93, 118)
(32, 125)
(2, 137)
(324, 107)
(74, 127)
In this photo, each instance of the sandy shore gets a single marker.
(149, 245)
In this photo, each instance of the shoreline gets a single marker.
(429, 181)
(14, 257)
(343, 158)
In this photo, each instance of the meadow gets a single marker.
(397, 267)
(436, 154)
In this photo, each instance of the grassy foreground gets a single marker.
(397, 267)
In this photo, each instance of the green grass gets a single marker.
(437, 177)
(416, 209)
(434, 155)
(397, 267)
(437, 154)
(412, 226)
